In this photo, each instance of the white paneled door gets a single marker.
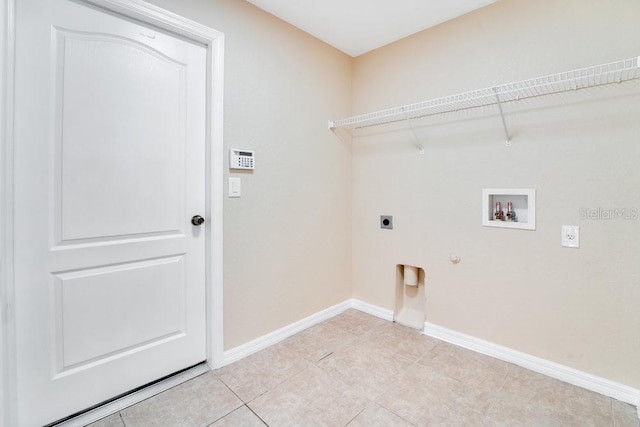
(109, 172)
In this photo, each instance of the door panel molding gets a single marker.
(101, 217)
(152, 15)
(99, 289)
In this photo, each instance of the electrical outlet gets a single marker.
(571, 236)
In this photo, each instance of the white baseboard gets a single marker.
(578, 378)
(373, 310)
(274, 337)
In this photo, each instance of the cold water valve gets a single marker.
(511, 214)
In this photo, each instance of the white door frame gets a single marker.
(153, 15)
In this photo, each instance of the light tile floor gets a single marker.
(358, 370)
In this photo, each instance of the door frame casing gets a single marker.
(151, 15)
(7, 318)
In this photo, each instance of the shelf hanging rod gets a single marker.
(504, 123)
(415, 135)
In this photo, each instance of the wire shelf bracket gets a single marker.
(504, 122)
(598, 75)
(415, 135)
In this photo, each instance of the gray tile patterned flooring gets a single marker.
(358, 370)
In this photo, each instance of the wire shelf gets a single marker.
(614, 72)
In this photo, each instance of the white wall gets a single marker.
(287, 240)
(520, 289)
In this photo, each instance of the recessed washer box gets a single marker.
(523, 201)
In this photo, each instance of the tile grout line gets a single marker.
(292, 375)
(235, 409)
(394, 413)
(355, 416)
(493, 402)
(322, 358)
(613, 413)
(229, 388)
(232, 411)
(416, 362)
(259, 417)
(391, 353)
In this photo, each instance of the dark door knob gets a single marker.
(197, 220)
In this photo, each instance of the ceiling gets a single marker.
(358, 26)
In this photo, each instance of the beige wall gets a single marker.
(287, 240)
(517, 288)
